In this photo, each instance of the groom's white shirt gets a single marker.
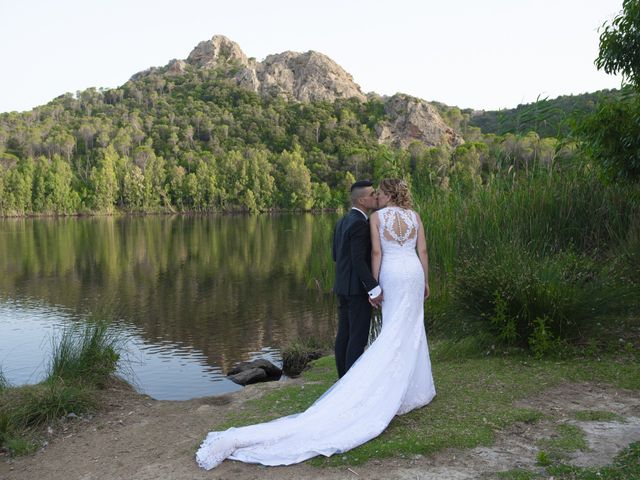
(376, 291)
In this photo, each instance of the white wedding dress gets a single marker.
(392, 377)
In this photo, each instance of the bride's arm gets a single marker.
(422, 254)
(376, 250)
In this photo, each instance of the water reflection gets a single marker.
(194, 295)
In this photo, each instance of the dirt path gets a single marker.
(140, 438)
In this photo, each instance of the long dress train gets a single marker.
(392, 377)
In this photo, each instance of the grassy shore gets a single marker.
(81, 363)
(475, 400)
(626, 466)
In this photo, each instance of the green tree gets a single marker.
(4, 196)
(294, 181)
(18, 186)
(432, 167)
(620, 44)
(104, 182)
(321, 195)
(62, 197)
(134, 189)
(175, 185)
(39, 189)
(610, 135)
(466, 164)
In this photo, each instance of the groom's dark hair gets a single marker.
(357, 189)
(361, 183)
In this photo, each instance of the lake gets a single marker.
(190, 296)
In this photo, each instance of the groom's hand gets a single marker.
(377, 301)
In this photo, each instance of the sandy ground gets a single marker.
(135, 437)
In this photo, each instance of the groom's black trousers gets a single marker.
(354, 319)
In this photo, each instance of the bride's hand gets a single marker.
(376, 302)
(427, 292)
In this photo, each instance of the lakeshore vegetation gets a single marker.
(83, 361)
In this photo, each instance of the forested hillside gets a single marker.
(547, 117)
(193, 138)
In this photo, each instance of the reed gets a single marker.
(545, 211)
(82, 361)
(87, 353)
(4, 384)
(320, 271)
(531, 251)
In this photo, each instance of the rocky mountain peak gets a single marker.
(304, 77)
(313, 76)
(309, 76)
(218, 51)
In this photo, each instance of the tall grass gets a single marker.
(4, 384)
(545, 211)
(37, 405)
(82, 360)
(320, 271)
(529, 257)
(86, 353)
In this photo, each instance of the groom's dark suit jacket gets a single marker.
(352, 254)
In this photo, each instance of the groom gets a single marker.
(355, 286)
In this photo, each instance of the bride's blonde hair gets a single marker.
(398, 190)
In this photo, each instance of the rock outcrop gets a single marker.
(306, 77)
(309, 77)
(219, 51)
(303, 77)
(412, 119)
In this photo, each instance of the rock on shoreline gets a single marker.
(260, 370)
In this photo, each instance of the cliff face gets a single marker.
(312, 76)
(305, 77)
(309, 76)
(413, 119)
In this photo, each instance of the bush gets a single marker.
(533, 259)
(536, 301)
(610, 136)
(297, 355)
(624, 258)
(542, 342)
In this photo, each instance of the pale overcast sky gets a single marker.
(484, 54)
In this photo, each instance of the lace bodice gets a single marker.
(398, 229)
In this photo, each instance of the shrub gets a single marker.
(297, 355)
(541, 341)
(535, 301)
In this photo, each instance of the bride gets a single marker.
(392, 377)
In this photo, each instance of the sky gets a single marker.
(482, 54)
